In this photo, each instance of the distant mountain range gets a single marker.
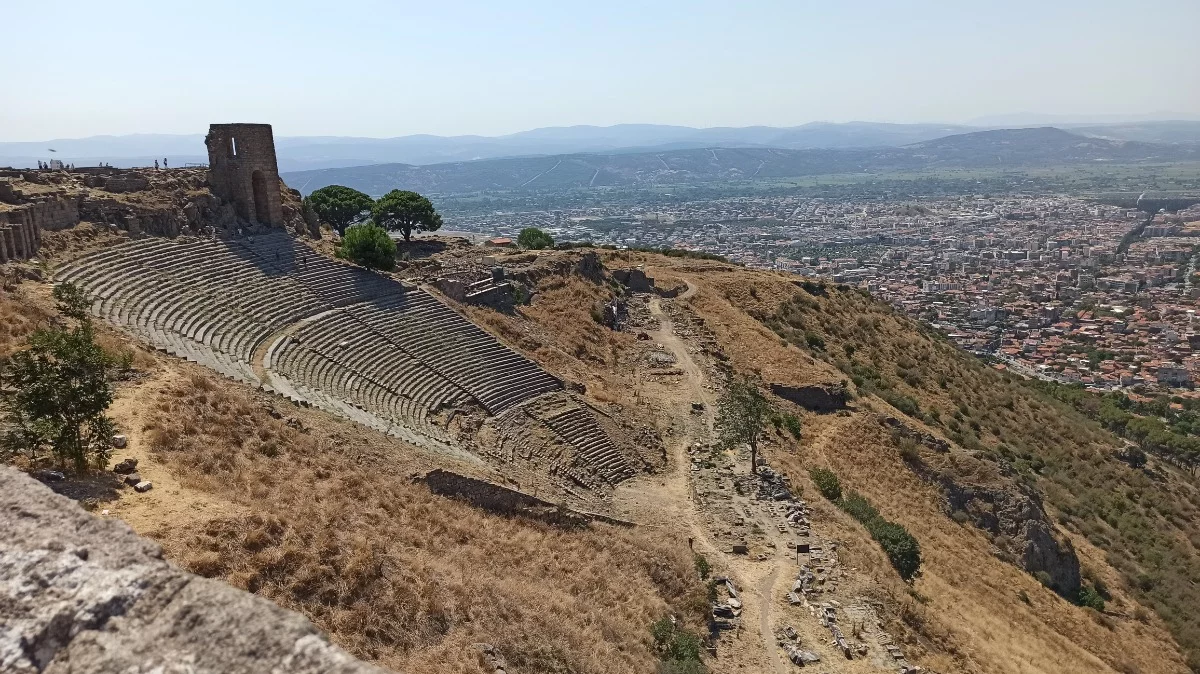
(313, 152)
(1005, 148)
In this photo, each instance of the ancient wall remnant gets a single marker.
(502, 500)
(20, 238)
(23, 217)
(86, 594)
(635, 279)
(243, 171)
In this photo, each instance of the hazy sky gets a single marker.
(354, 67)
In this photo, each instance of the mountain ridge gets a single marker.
(1015, 148)
(313, 152)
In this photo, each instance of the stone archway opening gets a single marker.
(262, 206)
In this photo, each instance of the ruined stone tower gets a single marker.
(243, 171)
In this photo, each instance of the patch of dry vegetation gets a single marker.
(78, 240)
(1150, 529)
(558, 329)
(20, 314)
(341, 533)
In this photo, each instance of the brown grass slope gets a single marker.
(341, 533)
(1148, 537)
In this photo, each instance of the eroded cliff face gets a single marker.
(1008, 509)
(79, 593)
(157, 202)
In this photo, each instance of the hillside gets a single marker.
(1045, 145)
(1011, 148)
(307, 502)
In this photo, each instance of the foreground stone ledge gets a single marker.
(79, 593)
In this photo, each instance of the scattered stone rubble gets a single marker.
(726, 613)
(493, 659)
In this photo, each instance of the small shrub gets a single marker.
(814, 340)
(858, 507)
(369, 245)
(702, 566)
(1023, 596)
(827, 483)
(1089, 597)
(679, 649)
(901, 547)
(792, 423)
(905, 404)
(1044, 578)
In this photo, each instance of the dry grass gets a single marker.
(558, 331)
(20, 314)
(340, 533)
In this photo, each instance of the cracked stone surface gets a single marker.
(79, 593)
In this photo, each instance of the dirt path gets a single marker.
(669, 499)
(170, 504)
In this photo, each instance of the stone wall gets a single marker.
(242, 170)
(83, 594)
(53, 214)
(634, 279)
(502, 500)
(20, 238)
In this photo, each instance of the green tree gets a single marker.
(57, 389)
(406, 212)
(742, 413)
(534, 239)
(340, 206)
(370, 245)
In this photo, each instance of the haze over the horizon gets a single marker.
(382, 69)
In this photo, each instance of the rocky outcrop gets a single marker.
(634, 279)
(1020, 527)
(1010, 510)
(814, 398)
(905, 431)
(83, 594)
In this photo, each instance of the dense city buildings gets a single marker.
(1050, 286)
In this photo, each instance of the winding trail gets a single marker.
(670, 501)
